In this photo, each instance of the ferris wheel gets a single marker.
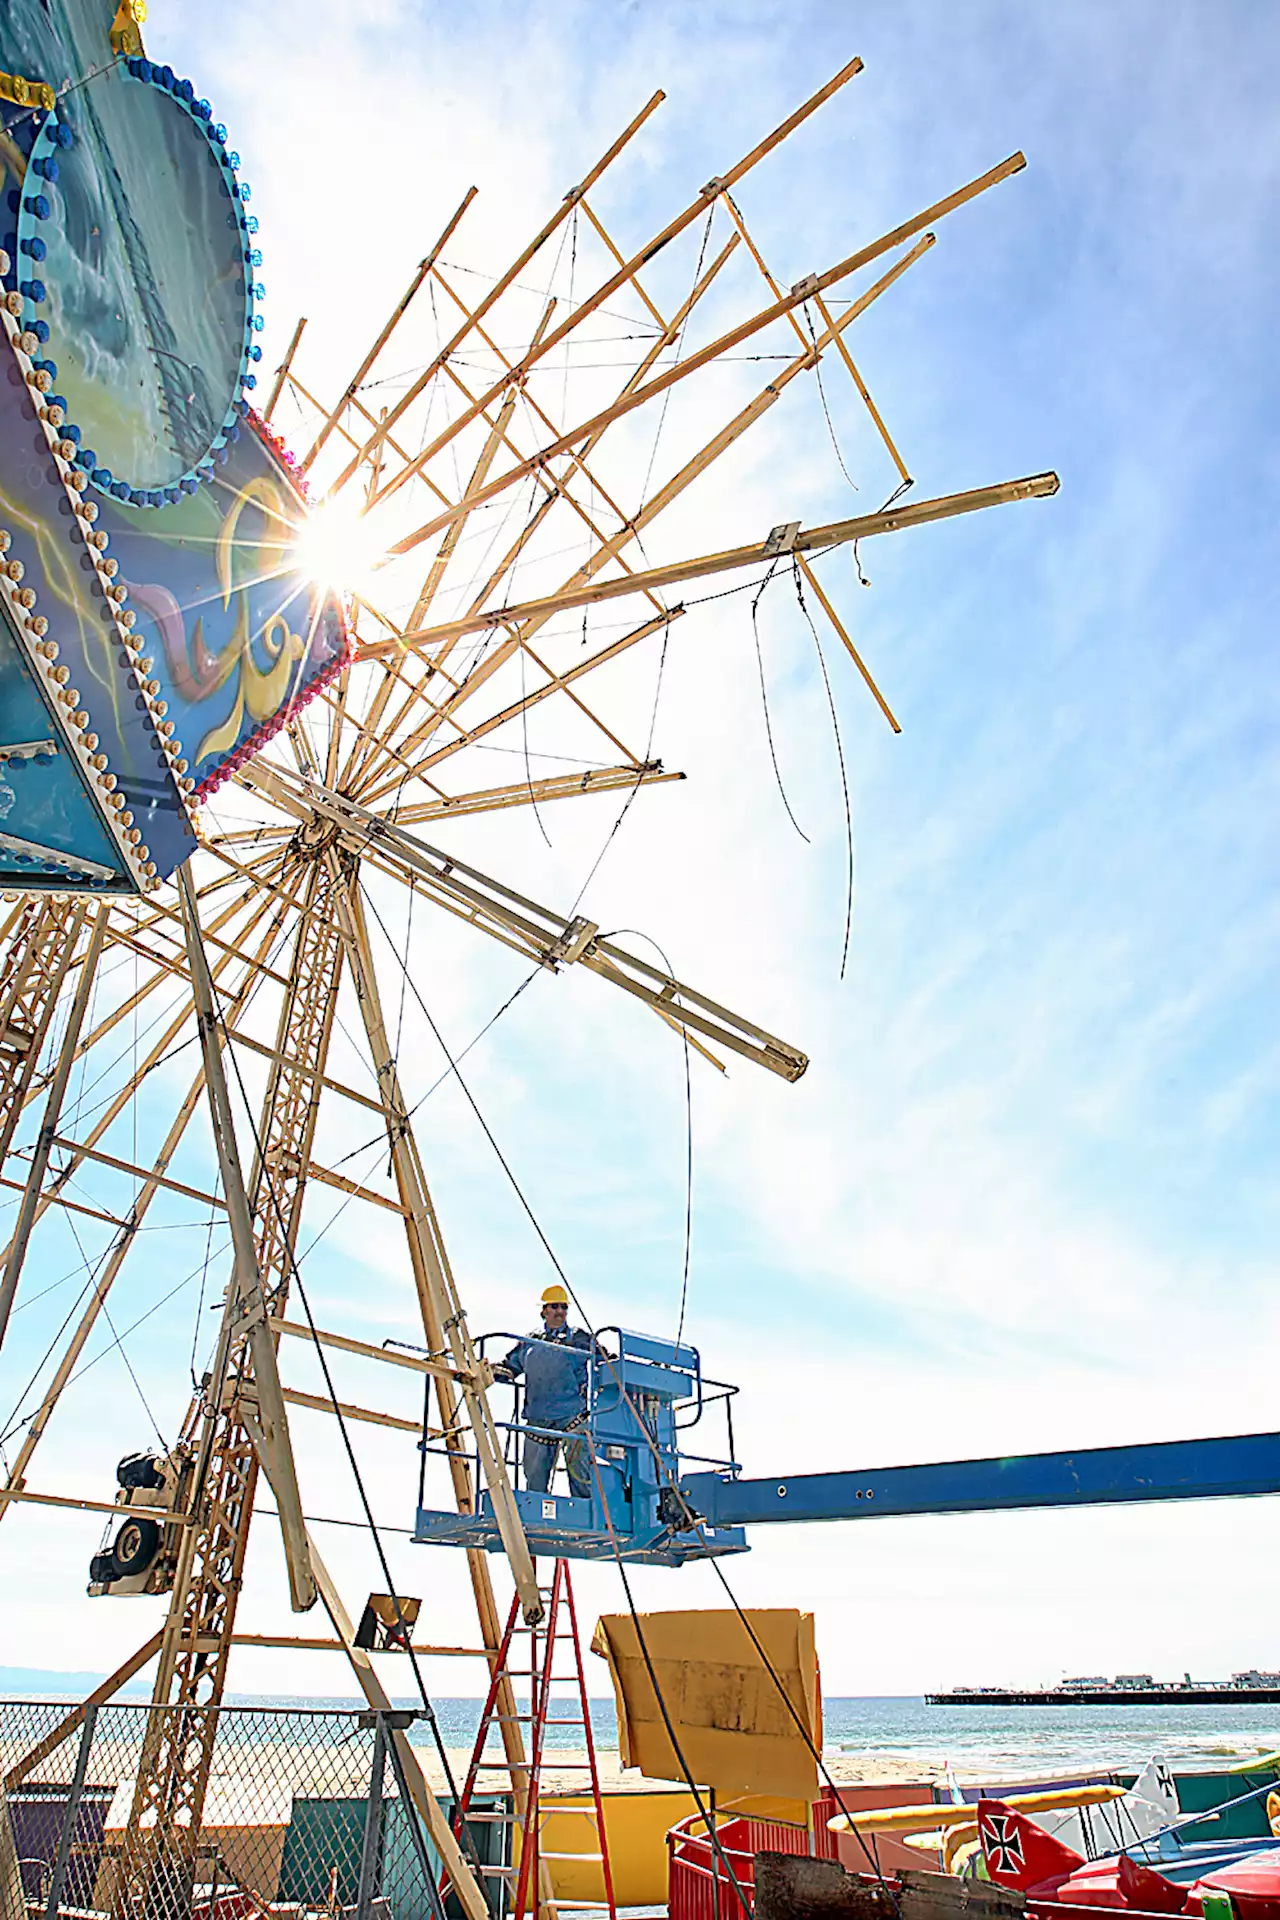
(276, 675)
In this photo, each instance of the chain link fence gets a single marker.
(306, 1815)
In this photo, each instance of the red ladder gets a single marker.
(541, 1675)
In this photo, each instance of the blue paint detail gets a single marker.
(48, 539)
(170, 562)
(45, 799)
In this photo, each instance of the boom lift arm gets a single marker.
(655, 1501)
(1216, 1469)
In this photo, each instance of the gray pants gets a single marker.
(540, 1459)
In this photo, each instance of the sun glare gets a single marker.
(339, 548)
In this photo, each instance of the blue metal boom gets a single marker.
(1239, 1464)
(651, 1500)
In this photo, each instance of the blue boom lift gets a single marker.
(655, 1501)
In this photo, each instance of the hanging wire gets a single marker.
(764, 699)
(822, 395)
(118, 1339)
(204, 1275)
(844, 776)
(111, 1346)
(648, 756)
(524, 734)
(884, 506)
(679, 349)
(14, 1420)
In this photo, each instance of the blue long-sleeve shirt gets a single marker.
(554, 1366)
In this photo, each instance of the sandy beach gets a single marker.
(565, 1771)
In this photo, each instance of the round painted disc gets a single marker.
(147, 298)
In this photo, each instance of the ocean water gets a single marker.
(982, 1743)
(979, 1742)
(1000, 1741)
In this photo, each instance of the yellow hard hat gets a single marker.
(554, 1297)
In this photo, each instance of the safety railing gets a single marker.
(701, 1875)
(600, 1373)
(307, 1815)
(699, 1880)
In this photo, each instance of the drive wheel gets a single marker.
(136, 1546)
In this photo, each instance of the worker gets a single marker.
(553, 1361)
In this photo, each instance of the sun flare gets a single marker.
(338, 547)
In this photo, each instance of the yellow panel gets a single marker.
(636, 1827)
(734, 1728)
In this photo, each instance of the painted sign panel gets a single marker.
(152, 601)
(238, 636)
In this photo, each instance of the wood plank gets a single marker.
(414, 1362)
(1037, 486)
(336, 1646)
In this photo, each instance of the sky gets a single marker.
(1024, 1195)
